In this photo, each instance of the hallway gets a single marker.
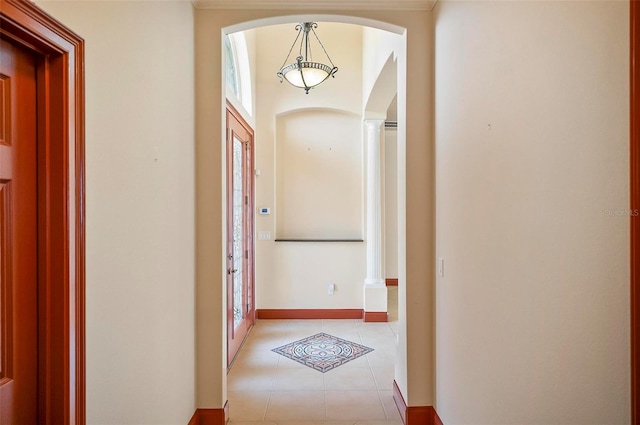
(265, 388)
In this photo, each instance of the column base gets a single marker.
(375, 283)
(375, 316)
(375, 296)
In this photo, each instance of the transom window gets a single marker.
(238, 69)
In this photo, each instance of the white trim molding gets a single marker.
(317, 4)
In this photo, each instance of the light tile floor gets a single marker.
(265, 388)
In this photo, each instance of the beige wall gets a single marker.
(140, 208)
(532, 150)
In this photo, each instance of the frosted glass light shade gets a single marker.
(306, 74)
(312, 76)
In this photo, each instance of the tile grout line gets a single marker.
(266, 408)
(384, 409)
(324, 397)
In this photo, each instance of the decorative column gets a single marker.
(375, 290)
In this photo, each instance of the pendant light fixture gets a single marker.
(304, 72)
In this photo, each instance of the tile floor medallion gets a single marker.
(322, 351)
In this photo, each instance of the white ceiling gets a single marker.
(317, 4)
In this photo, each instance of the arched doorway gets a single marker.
(211, 25)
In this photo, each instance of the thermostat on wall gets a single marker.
(265, 210)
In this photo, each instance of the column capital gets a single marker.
(374, 124)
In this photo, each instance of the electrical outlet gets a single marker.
(264, 236)
(331, 289)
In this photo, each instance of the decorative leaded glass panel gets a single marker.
(238, 231)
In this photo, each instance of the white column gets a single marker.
(374, 204)
(375, 291)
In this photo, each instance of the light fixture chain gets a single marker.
(322, 45)
(306, 41)
(307, 51)
(292, 46)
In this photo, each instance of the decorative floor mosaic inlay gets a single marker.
(322, 351)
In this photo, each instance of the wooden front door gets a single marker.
(18, 237)
(240, 268)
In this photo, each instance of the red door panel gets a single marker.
(18, 237)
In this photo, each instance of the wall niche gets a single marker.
(319, 175)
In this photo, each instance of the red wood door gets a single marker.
(240, 269)
(18, 237)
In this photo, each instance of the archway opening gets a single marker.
(385, 74)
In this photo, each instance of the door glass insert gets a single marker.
(238, 231)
